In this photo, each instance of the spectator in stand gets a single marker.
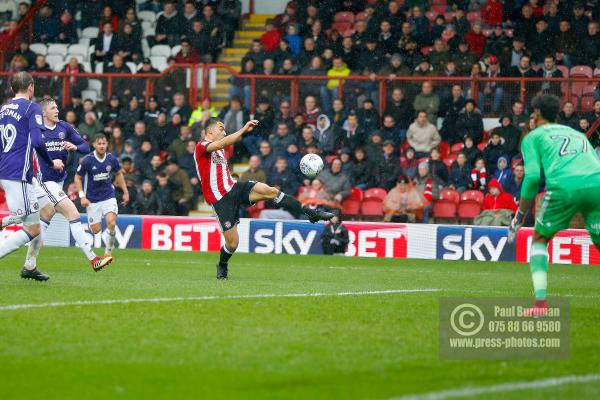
(354, 134)
(427, 101)
(164, 191)
(518, 116)
(498, 207)
(132, 20)
(389, 131)
(183, 192)
(371, 58)
(90, 126)
(230, 13)
(307, 139)
(503, 172)
(130, 46)
(584, 125)
(25, 51)
(241, 87)
(549, 70)
(401, 110)
(107, 44)
(510, 134)
(438, 28)
(74, 68)
(422, 135)
(363, 172)
(43, 84)
(492, 12)
(419, 25)
(463, 58)
(310, 111)
(256, 53)
(471, 150)
(459, 178)
(177, 148)
(511, 57)
(450, 108)
(579, 21)
(388, 166)
(187, 54)
(374, 148)
(201, 41)
(479, 175)
(282, 52)
(111, 113)
(294, 40)
(566, 44)
(147, 201)
(280, 140)
(590, 46)
(470, 121)
(67, 31)
(591, 118)
(284, 114)
(324, 134)
(121, 86)
(336, 183)
(130, 116)
(498, 42)
(476, 40)
(492, 89)
(429, 186)
(108, 17)
(46, 25)
(437, 167)
(404, 202)
(180, 107)
(338, 117)
(267, 158)
(204, 111)
(307, 53)
(316, 196)
(116, 145)
(513, 185)
(339, 69)
(270, 39)
(424, 68)
(169, 26)
(541, 43)
(368, 116)
(189, 15)
(387, 39)
(349, 53)
(409, 163)
(493, 151)
(283, 177)
(524, 25)
(568, 116)
(187, 162)
(440, 56)
(254, 172)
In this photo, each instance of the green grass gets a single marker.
(375, 347)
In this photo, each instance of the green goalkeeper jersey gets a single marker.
(565, 155)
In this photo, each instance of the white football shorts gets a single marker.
(96, 211)
(22, 202)
(49, 192)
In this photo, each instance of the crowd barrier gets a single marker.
(422, 241)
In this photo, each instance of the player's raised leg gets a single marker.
(261, 191)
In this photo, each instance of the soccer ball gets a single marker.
(311, 164)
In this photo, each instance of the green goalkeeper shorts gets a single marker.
(558, 206)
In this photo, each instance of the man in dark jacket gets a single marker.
(401, 110)
(283, 177)
(568, 116)
(43, 84)
(147, 201)
(450, 109)
(169, 26)
(164, 191)
(460, 174)
(389, 166)
(590, 46)
(470, 122)
(324, 134)
(492, 152)
(511, 135)
(334, 238)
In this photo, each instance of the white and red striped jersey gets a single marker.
(213, 172)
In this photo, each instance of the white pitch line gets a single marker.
(471, 391)
(12, 307)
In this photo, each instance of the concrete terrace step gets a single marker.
(253, 34)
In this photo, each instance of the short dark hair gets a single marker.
(100, 136)
(21, 81)
(211, 122)
(46, 101)
(548, 106)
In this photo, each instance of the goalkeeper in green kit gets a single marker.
(572, 172)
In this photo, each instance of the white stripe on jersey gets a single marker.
(27, 159)
(225, 174)
(213, 179)
(85, 182)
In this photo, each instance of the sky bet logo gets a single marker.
(285, 238)
(482, 244)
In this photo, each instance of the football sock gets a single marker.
(35, 246)
(80, 238)
(13, 242)
(110, 244)
(11, 220)
(289, 203)
(539, 269)
(225, 255)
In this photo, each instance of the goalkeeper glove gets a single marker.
(515, 224)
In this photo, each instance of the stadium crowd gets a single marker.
(429, 137)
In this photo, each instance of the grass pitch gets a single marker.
(359, 346)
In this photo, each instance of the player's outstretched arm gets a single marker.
(79, 187)
(231, 139)
(76, 142)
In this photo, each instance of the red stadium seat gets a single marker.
(515, 162)
(596, 72)
(361, 16)
(372, 208)
(329, 159)
(374, 193)
(422, 159)
(254, 211)
(448, 15)
(457, 147)
(471, 202)
(446, 206)
(473, 16)
(589, 88)
(355, 194)
(444, 148)
(450, 159)
(472, 195)
(487, 135)
(578, 88)
(482, 146)
(351, 208)
(583, 71)
(431, 15)
(301, 190)
(450, 195)
(587, 103)
(425, 50)
(439, 8)
(564, 69)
